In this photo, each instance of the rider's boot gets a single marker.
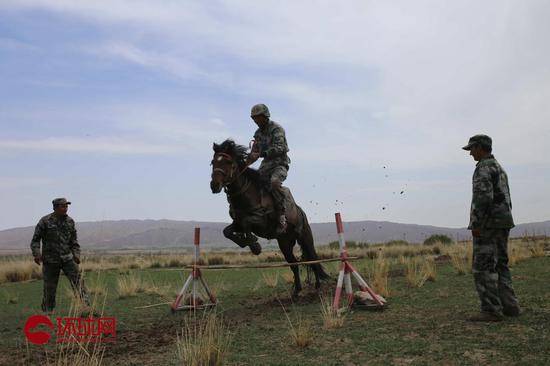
(281, 225)
(279, 205)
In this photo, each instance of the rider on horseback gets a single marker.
(270, 144)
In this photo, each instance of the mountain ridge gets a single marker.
(157, 234)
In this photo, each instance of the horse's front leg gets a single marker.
(242, 238)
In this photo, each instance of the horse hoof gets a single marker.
(255, 248)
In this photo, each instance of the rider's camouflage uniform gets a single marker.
(272, 146)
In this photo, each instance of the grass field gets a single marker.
(424, 324)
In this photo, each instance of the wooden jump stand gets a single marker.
(195, 293)
(344, 276)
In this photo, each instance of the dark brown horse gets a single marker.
(251, 209)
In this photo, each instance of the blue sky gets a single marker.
(115, 105)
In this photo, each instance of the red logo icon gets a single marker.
(38, 337)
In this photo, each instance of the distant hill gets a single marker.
(157, 234)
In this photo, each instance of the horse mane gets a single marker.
(239, 154)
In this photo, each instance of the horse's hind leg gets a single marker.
(305, 240)
(286, 244)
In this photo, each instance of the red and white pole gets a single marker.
(196, 271)
(346, 270)
(343, 275)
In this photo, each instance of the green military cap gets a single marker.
(60, 201)
(259, 109)
(483, 140)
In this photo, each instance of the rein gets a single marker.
(233, 179)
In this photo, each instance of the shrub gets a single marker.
(438, 238)
(155, 264)
(350, 244)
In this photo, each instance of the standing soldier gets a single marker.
(490, 222)
(270, 144)
(60, 251)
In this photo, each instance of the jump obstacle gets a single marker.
(190, 297)
(195, 293)
(346, 270)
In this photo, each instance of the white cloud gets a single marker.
(101, 145)
(24, 182)
(436, 72)
(173, 65)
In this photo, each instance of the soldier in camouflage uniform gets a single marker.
(60, 251)
(490, 222)
(270, 144)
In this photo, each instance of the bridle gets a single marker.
(219, 170)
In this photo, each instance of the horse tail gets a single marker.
(305, 240)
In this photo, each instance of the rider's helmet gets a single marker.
(259, 109)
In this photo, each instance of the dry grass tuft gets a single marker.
(271, 280)
(461, 259)
(129, 286)
(414, 273)
(380, 275)
(97, 286)
(300, 331)
(79, 352)
(429, 269)
(538, 249)
(288, 277)
(205, 342)
(420, 270)
(331, 318)
(19, 270)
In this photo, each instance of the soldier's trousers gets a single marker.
(492, 276)
(51, 273)
(274, 174)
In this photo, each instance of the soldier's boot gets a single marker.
(279, 204)
(486, 317)
(282, 225)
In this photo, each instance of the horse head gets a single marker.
(228, 159)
